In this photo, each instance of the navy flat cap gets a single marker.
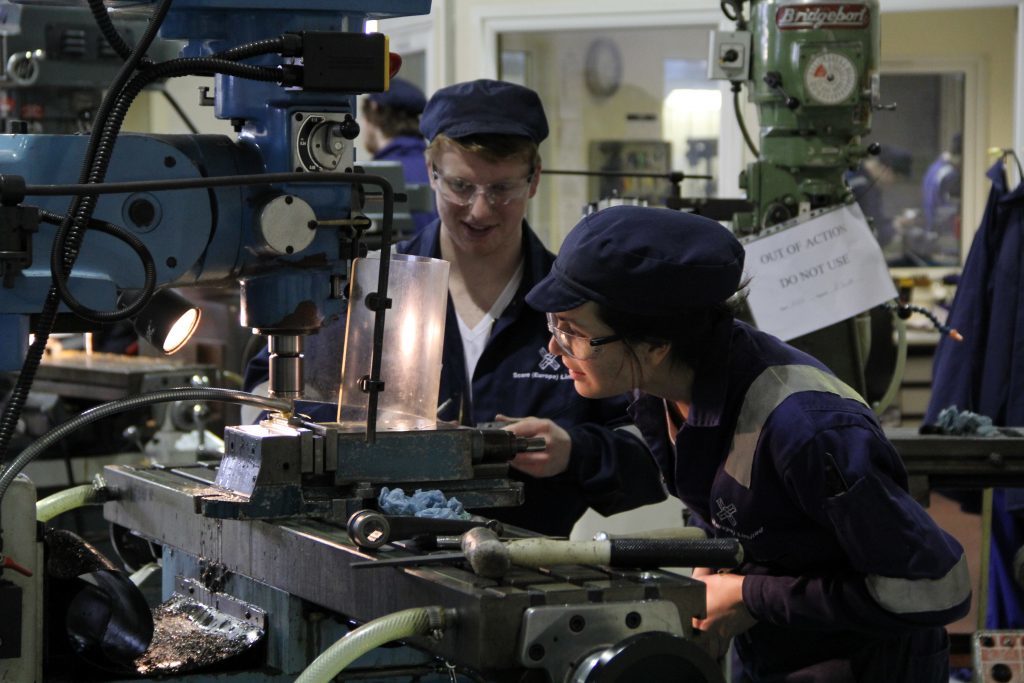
(900, 160)
(642, 260)
(484, 107)
(401, 94)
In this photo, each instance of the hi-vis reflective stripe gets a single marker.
(771, 388)
(632, 429)
(909, 596)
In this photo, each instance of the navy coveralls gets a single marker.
(848, 577)
(409, 150)
(985, 372)
(610, 469)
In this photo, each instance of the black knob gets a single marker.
(142, 212)
(348, 128)
(730, 56)
(874, 149)
(1002, 673)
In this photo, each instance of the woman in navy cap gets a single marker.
(846, 577)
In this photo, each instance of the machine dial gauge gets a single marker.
(830, 78)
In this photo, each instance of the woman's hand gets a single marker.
(727, 616)
(554, 459)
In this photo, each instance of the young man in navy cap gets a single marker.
(845, 577)
(484, 167)
(390, 131)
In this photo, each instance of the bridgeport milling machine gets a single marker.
(812, 70)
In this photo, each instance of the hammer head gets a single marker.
(487, 555)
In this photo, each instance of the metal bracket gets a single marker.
(222, 602)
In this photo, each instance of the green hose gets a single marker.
(68, 499)
(373, 634)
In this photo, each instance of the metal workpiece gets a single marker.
(310, 560)
(257, 456)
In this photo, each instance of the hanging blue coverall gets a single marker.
(985, 372)
(610, 469)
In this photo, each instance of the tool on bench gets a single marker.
(491, 557)
(371, 529)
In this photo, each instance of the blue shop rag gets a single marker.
(430, 503)
(964, 422)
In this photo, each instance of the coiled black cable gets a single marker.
(109, 31)
(67, 241)
(137, 245)
(255, 49)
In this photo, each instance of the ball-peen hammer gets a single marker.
(492, 558)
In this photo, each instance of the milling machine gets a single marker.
(812, 71)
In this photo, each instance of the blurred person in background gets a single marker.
(390, 131)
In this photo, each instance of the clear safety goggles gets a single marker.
(461, 193)
(576, 346)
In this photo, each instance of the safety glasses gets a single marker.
(461, 193)
(576, 346)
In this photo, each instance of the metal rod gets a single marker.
(671, 176)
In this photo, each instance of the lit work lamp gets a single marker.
(167, 321)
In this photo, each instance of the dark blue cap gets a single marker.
(642, 260)
(898, 159)
(401, 94)
(484, 107)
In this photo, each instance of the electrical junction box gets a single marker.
(998, 656)
(729, 56)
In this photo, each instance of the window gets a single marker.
(624, 101)
(913, 190)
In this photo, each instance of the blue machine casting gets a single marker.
(223, 235)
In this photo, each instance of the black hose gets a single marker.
(137, 245)
(109, 31)
(741, 121)
(255, 49)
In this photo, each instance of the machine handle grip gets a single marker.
(714, 553)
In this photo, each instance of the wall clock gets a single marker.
(603, 68)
